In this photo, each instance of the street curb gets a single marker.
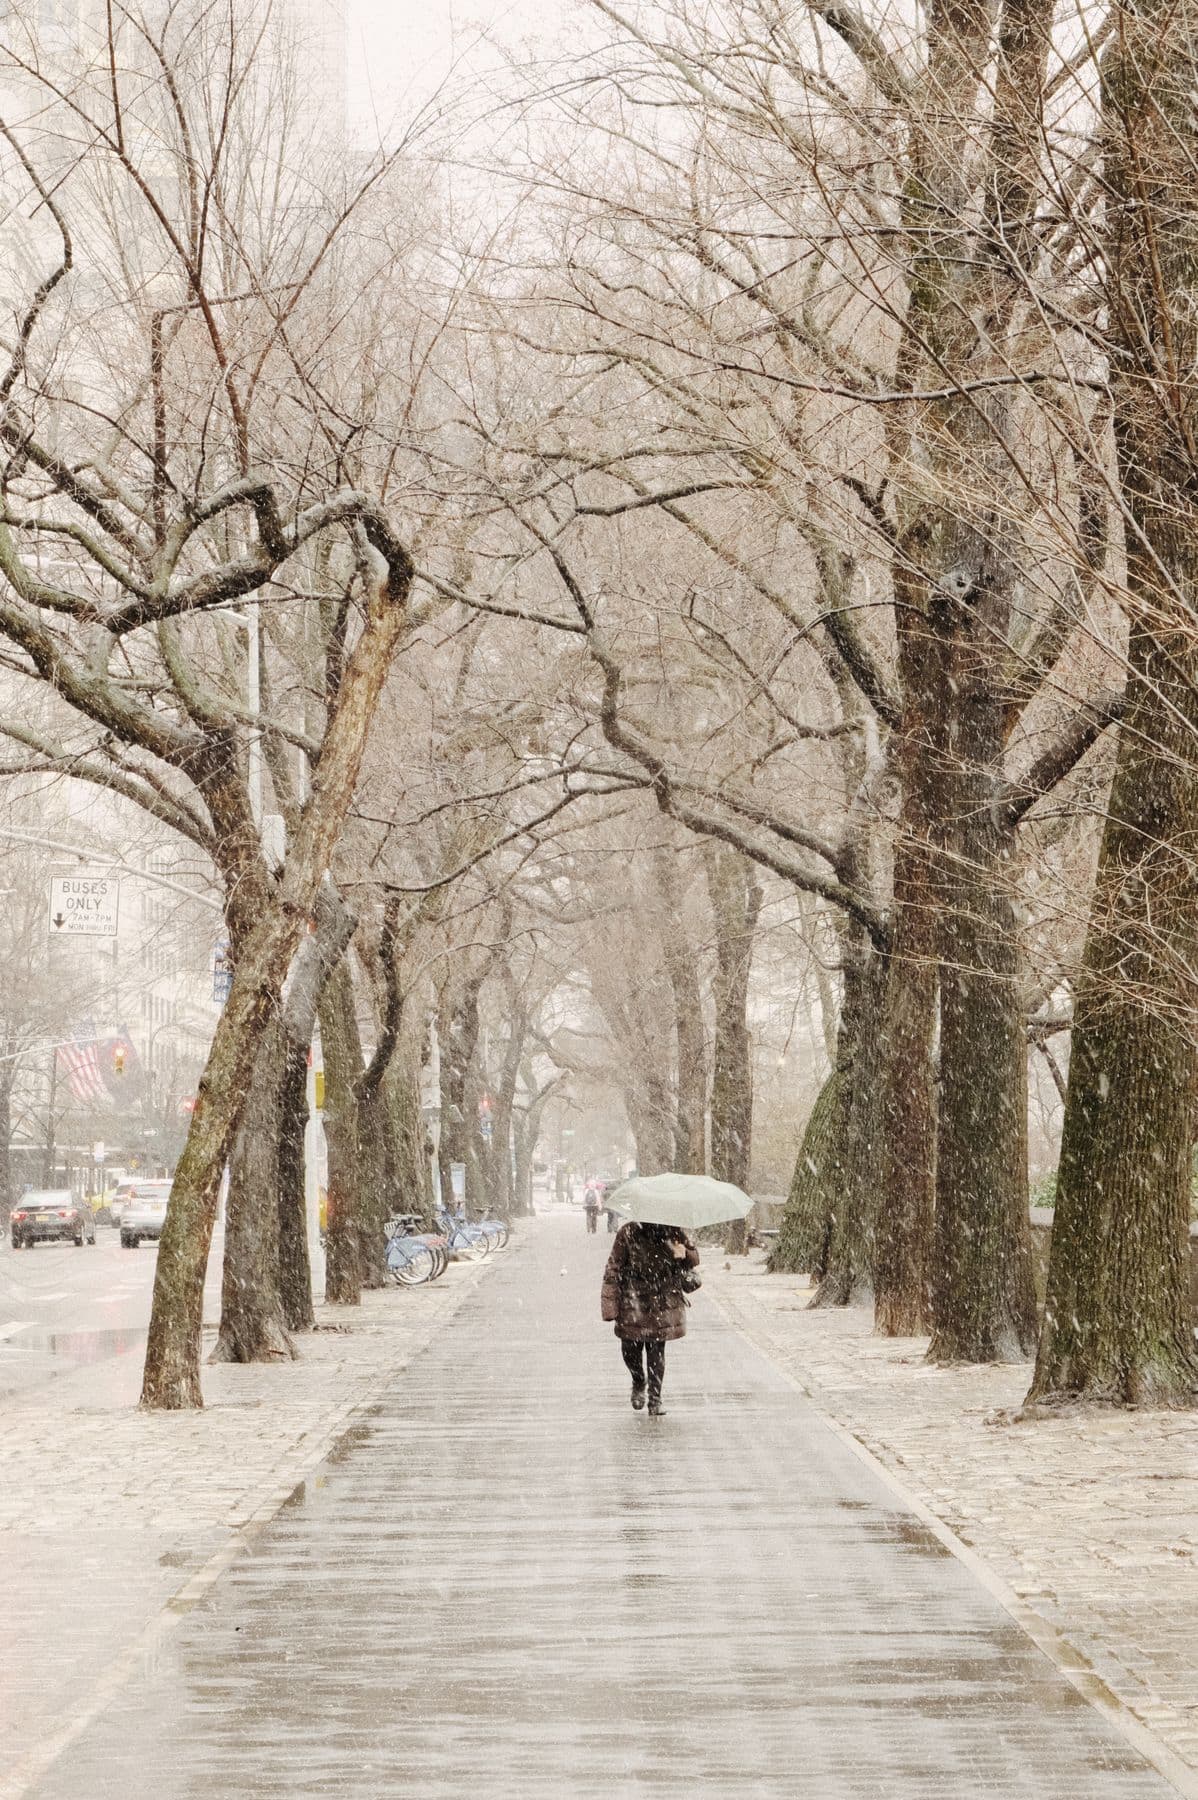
(1052, 1643)
(18, 1783)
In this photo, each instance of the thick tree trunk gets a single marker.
(690, 1122)
(818, 1182)
(1117, 1325)
(342, 1069)
(983, 1296)
(650, 1115)
(376, 1201)
(458, 1029)
(295, 1267)
(499, 1196)
(848, 1276)
(410, 1174)
(172, 1368)
(252, 1327)
(318, 956)
(736, 902)
(907, 1075)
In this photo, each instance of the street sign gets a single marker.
(84, 905)
(222, 972)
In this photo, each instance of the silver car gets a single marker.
(144, 1213)
(51, 1215)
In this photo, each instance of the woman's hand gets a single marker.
(679, 1251)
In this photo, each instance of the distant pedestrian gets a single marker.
(644, 1298)
(590, 1205)
(612, 1221)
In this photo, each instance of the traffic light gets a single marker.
(118, 1059)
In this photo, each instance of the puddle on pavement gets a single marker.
(90, 1346)
(351, 1440)
(899, 1529)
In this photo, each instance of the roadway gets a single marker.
(62, 1308)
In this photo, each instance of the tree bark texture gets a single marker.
(1117, 1325)
(344, 1222)
(907, 1074)
(458, 1030)
(983, 1297)
(295, 1266)
(818, 1182)
(252, 1326)
(847, 1278)
(410, 1175)
(735, 897)
(690, 1036)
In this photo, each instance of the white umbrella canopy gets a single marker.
(691, 1201)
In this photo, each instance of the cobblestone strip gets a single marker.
(115, 1523)
(1090, 1521)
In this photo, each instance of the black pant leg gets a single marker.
(633, 1360)
(655, 1358)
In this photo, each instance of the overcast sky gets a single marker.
(400, 49)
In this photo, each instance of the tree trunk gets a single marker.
(172, 1368)
(690, 1122)
(342, 1068)
(50, 1159)
(318, 956)
(458, 1029)
(295, 1267)
(907, 1076)
(848, 1277)
(818, 1182)
(375, 1199)
(736, 903)
(1117, 1325)
(983, 1297)
(499, 1163)
(650, 1115)
(252, 1327)
(410, 1175)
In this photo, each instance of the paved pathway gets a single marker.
(110, 1517)
(505, 1583)
(1090, 1517)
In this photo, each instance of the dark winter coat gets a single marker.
(642, 1290)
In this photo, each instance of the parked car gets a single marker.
(117, 1200)
(144, 1212)
(51, 1215)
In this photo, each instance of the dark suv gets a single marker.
(50, 1216)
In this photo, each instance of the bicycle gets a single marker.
(464, 1239)
(496, 1231)
(411, 1260)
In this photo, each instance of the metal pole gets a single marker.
(51, 1153)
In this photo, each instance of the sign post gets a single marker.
(84, 905)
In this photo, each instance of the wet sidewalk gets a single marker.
(506, 1583)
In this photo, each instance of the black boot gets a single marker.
(656, 1409)
(638, 1396)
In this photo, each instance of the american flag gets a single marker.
(81, 1062)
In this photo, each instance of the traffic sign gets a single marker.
(222, 971)
(84, 905)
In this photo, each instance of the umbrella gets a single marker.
(687, 1200)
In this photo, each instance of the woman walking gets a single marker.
(644, 1298)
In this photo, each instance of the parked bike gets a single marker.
(413, 1257)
